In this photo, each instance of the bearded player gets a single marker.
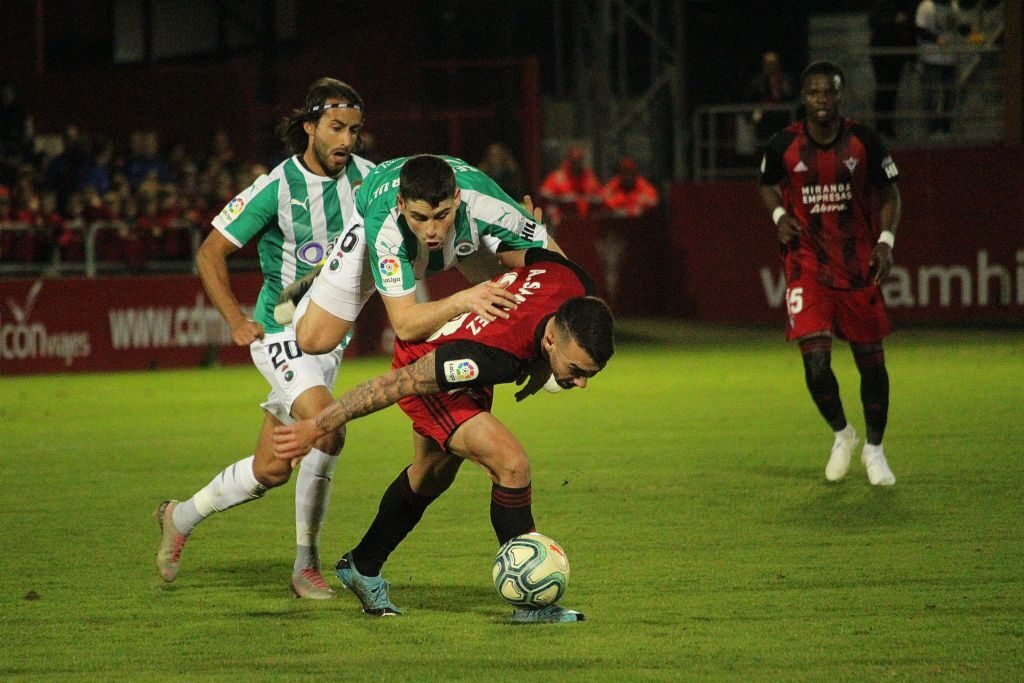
(445, 385)
(294, 212)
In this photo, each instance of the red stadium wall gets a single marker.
(82, 324)
(959, 252)
(140, 323)
(710, 256)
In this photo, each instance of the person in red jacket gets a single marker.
(571, 184)
(629, 193)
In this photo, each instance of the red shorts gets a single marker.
(437, 416)
(856, 315)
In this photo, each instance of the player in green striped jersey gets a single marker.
(294, 213)
(415, 217)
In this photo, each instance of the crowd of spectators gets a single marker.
(150, 200)
(145, 204)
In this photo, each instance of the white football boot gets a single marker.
(842, 450)
(874, 461)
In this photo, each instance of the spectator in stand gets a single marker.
(149, 227)
(119, 184)
(15, 124)
(628, 193)
(184, 169)
(771, 86)
(145, 162)
(503, 169)
(223, 152)
(52, 221)
(134, 242)
(71, 240)
(32, 244)
(891, 29)
(95, 169)
(7, 239)
(940, 31)
(177, 238)
(199, 212)
(64, 172)
(572, 185)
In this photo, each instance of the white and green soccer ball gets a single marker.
(531, 570)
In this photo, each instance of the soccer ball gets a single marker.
(531, 571)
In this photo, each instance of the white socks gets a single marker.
(312, 495)
(235, 485)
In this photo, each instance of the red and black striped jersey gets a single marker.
(828, 189)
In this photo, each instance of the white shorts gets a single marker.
(344, 285)
(291, 372)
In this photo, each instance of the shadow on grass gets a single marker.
(455, 598)
(268, 579)
(851, 504)
(854, 505)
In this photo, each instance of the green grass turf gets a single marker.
(686, 484)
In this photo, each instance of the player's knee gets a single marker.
(512, 471)
(869, 357)
(817, 366)
(272, 473)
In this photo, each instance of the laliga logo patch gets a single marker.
(232, 210)
(460, 370)
(390, 272)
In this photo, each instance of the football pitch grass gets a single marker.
(686, 484)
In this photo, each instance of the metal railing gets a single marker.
(726, 144)
(54, 264)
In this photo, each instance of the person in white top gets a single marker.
(940, 31)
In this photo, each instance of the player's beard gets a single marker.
(324, 157)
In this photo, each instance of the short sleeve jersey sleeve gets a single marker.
(773, 167)
(249, 212)
(881, 168)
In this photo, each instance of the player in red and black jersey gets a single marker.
(823, 179)
(558, 331)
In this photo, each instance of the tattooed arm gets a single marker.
(294, 440)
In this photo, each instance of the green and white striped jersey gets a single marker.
(487, 220)
(294, 214)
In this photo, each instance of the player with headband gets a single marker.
(294, 213)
